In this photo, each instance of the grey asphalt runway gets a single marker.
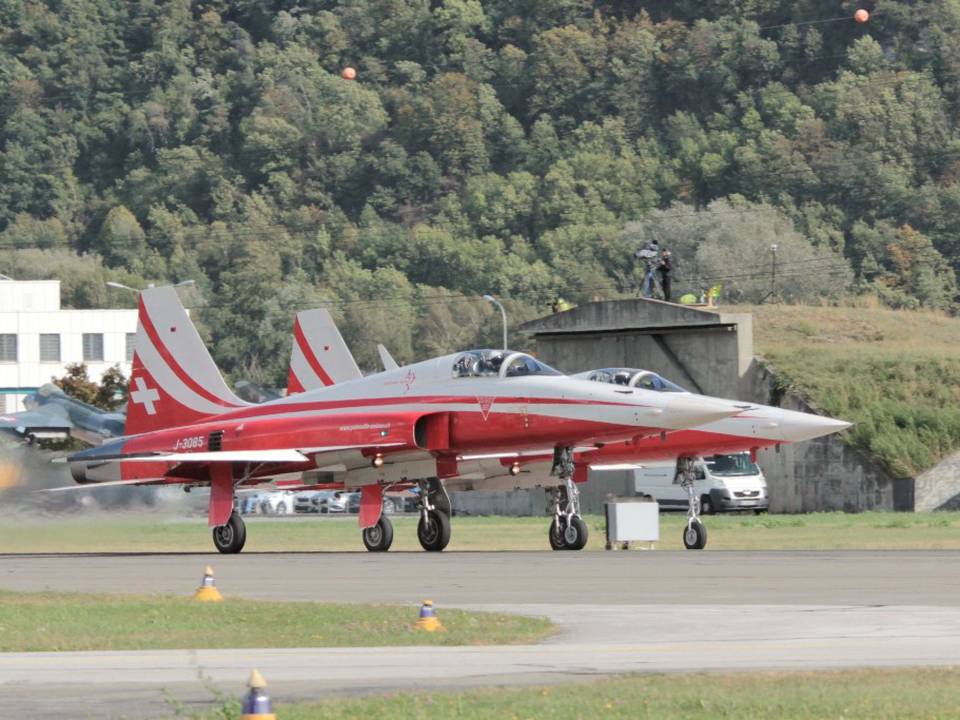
(617, 612)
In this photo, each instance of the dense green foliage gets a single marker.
(518, 148)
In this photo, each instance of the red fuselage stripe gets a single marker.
(308, 354)
(173, 364)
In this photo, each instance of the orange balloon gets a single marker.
(349, 73)
(861, 16)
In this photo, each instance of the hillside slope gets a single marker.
(894, 373)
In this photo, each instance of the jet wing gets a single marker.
(45, 421)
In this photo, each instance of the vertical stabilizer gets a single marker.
(386, 358)
(319, 357)
(174, 380)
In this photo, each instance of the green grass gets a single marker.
(33, 622)
(816, 531)
(849, 695)
(894, 373)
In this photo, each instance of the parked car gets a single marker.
(306, 502)
(336, 502)
(353, 504)
(723, 483)
(276, 503)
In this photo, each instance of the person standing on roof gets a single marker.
(649, 255)
(665, 267)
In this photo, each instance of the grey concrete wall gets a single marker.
(939, 487)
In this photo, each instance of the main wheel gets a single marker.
(557, 526)
(576, 534)
(695, 536)
(379, 538)
(230, 538)
(434, 534)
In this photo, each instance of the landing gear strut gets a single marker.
(694, 532)
(230, 538)
(433, 530)
(568, 531)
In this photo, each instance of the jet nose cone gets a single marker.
(800, 426)
(688, 411)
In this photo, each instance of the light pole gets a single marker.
(503, 314)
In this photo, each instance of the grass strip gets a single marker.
(815, 531)
(73, 621)
(901, 694)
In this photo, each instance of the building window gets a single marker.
(131, 337)
(92, 347)
(49, 347)
(8, 347)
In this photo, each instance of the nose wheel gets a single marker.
(694, 532)
(433, 529)
(567, 531)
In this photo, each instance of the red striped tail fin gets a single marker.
(319, 357)
(174, 380)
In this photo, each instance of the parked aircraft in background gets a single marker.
(51, 414)
(420, 421)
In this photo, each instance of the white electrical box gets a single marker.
(633, 521)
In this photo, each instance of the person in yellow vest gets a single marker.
(559, 305)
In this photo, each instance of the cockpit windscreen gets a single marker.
(632, 377)
(498, 363)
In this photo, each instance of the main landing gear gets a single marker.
(694, 532)
(379, 538)
(230, 538)
(433, 530)
(568, 531)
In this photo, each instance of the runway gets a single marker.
(618, 612)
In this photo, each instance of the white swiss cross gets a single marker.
(145, 395)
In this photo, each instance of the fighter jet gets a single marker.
(52, 414)
(185, 427)
(752, 428)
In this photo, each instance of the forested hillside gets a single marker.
(520, 148)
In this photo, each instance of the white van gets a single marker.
(724, 482)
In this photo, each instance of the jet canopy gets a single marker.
(498, 363)
(632, 377)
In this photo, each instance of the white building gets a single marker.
(38, 339)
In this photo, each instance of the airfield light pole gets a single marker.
(503, 314)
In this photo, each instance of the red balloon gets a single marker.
(861, 16)
(349, 73)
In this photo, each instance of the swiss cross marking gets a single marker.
(145, 396)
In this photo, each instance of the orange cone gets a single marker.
(256, 703)
(207, 592)
(428, 620)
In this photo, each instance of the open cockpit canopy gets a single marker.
(498, 363)
(632, 377)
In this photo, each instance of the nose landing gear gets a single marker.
(694, 532)
(433, 530)
(568, 531)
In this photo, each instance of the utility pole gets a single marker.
(772, 295)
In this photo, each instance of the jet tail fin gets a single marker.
(386, 358)
(174, 380)
(319, 357)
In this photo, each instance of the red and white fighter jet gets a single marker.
(753, 428)
(185, 427)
